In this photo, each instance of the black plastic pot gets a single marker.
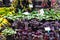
(9, 37)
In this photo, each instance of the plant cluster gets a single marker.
(30, 29)
(8, 31)
(25, 23)
(48, 15)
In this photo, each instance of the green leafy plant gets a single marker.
(8, 31)
(48, 15)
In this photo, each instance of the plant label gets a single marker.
(41, 11)
(47, 29)
(26, 13)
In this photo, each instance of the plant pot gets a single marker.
(9, 37)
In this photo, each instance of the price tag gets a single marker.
(31, 5)
(47, 29)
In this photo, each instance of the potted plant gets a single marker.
(8, 32)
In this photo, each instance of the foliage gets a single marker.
(51, 15)
(8, 31)
(48, 15)
(6, 11)
(3, 22)
(20, 20)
